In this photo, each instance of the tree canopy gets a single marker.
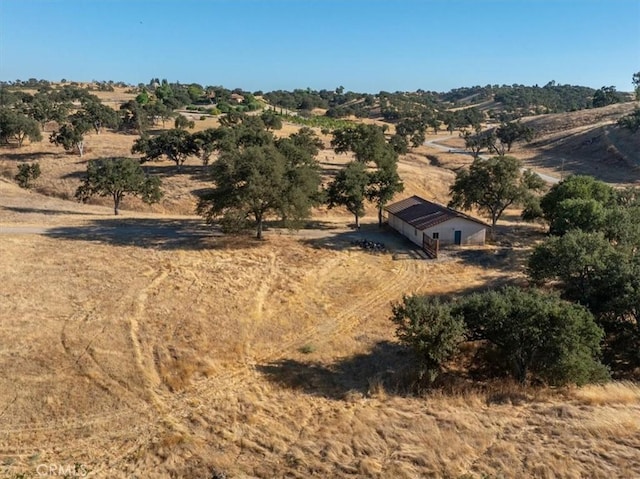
(177, 145)
(536, 332)
(261, 177)
(17, 126)
(117, 177)
(493, 185)
(349, 189)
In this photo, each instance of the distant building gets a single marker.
(237, 98)
(430, 225)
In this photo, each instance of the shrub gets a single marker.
(27, 174)
(537, 333)
(428, 327)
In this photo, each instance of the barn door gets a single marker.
(457, 237)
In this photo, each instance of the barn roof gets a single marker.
(423, 214)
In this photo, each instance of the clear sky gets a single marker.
(363, 45)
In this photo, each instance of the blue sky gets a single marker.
(364, 45)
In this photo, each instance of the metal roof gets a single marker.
(423, 214)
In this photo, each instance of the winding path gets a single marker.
(461, 151)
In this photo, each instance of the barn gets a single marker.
(430, 225)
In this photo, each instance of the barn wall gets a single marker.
(472, 233)
(414, 235)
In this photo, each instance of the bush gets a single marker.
(536, 333)
(27, 174)
(631, 121)
(428, 327)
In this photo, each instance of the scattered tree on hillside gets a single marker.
(252, 183)
(382, 186)
(302, 185)
(512, 132)
(349, 189)
(412, 129)
(635, 79)
(182, 123)
(367, 142)
(271, 120)
(208, 141)
(176, 145)
(117, 177)
(478, 142)
(256, 176)
(71, 136)
(369, 145)
(493, 185)
(44, 108)
(27, 174)
(631, 121)
(607, 95)
(134, 117)
(97, 115)
(18, 126)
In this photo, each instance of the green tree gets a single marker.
(271, 120)
(27, 174)
(176, 145)
(579, 263)
(512, 132)
(71, 136)
(575, 187)
(158, 111)
(349, 189)
(134, 117)
(427, 325)
(604, 277)
(97, 115)
(250, 184)
(536, 332)
(578, 213)
(607, 95)
(302, 186)
(14, 125)
(367, 142)
(182, 123)
(636, 84)
(475, 143)
(44, 108)
(382, 186)
(631, 121)
(117, 177)
(208, 141)
(492, 185)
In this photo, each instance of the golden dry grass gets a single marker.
(140, 357)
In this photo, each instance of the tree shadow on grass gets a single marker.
(26, 156)
(392, 242)
(362, 373)
(165, 171)
(163, 234)
(45, 211)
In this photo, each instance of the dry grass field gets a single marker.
(149, 346)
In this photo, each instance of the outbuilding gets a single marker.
(430, 225)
